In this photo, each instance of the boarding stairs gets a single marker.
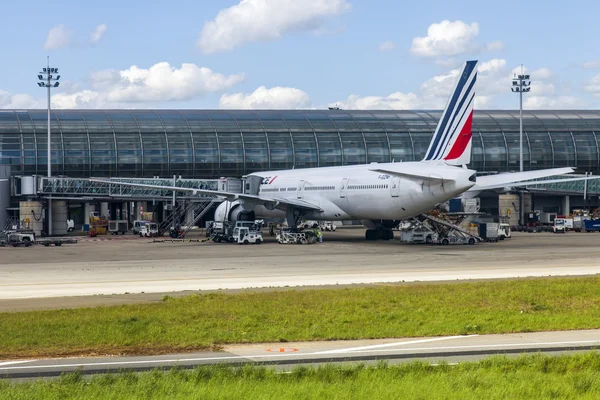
(12, 223)
(181, 211)
(198, 210)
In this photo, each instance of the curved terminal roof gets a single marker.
(215, 143)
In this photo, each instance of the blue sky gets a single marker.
(297, 53)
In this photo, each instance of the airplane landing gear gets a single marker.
(379, 234)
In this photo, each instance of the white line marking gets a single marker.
(484, 346)
(15, 362)
(377, 346)
(117, 363)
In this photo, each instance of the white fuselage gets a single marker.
(356, 193)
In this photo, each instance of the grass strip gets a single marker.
(206, 321)
(526, 377)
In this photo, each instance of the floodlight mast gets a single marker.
(48, 78)
(521, 84)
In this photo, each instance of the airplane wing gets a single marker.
(269, 202)
(412, 175)
(525, 178)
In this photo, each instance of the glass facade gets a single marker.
(215, 143)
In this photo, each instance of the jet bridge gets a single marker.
(83, 189)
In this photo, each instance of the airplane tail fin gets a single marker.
(451, 142)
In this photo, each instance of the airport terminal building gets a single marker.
(216, 143)
(210, 144)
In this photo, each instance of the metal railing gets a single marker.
(85, 188)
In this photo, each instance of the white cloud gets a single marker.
(395, 101)
(446, 39)
(553, 102)
(142, 87)
(262, 98)
(492, 66)
(495, 46)
(594, 64)
(542, 73)
(162, 82)
(8, 100)
(263, 20)
(58, 37)
(493, 81)
(98, 33)
(387, 46)
(593, 86)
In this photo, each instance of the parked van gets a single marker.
(137, 225)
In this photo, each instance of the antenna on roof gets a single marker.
(336, 107)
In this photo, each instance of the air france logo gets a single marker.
(268, 180)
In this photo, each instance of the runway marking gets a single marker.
(15, 362)
(117, 363)
(376, 346)
(488, 346)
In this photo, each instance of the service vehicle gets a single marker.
(150, 229)
(559, 226)
(24, 237)
(504, 231)
(294, 236)
(118, 226)
(592, 225)
(243, 235)
(327, 226)
(138, 224)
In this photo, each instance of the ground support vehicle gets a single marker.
(150, 229)
(455, 239)
(118, 226)
(504, 231)
(20, 238)
(592, 225)
(289, 236)
(221, 232)
(224, 231)
(327, 226)
(440, 228)
(559, 226)
(488, 231)
(98, 224)
(138, 224)
(56, 242)
(419, 235)
(243, 235)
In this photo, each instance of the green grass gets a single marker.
(207, 321)
(527, 377)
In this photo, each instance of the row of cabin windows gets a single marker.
(321, 188)
(361, 187)
(290, 189)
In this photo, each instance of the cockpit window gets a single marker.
(473, 178)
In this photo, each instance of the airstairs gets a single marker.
(198, 210)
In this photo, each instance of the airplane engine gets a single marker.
(380, 223)
(233, 211)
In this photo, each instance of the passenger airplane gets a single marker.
(380, 195)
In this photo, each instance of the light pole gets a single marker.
(521, 84)
(48, 78)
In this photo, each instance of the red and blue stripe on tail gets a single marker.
(451, 142)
